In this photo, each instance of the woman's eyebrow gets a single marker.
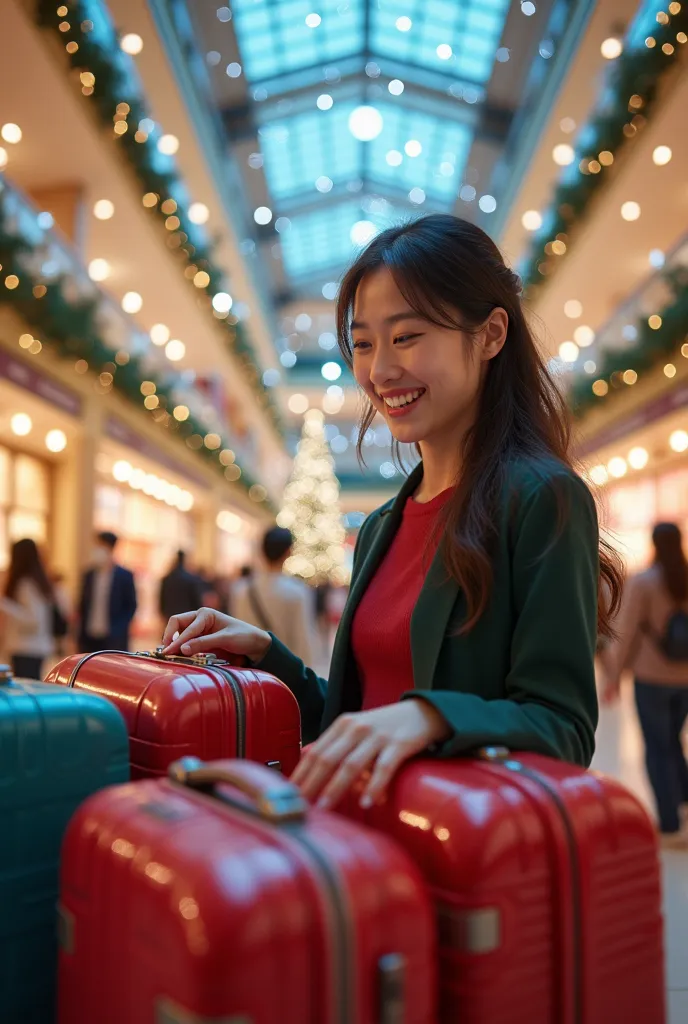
(393, 319)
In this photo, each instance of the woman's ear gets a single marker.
(494, 333)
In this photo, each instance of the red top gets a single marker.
(381, 629)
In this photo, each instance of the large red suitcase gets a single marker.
(546, 885)
(200, 706)
(218, 896)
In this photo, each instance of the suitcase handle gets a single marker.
(274, 798)
(203, 659)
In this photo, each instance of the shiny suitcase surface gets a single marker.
(546, 885)
(201, 706)
(218, 896)
(56, 748)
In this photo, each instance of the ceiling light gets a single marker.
(563, 154)
(313, 20)
(175, 350)
(11, 133)
(362, 232)
(584, 335)
(103, 209)
(324, 102)
(21, 424)
(396, 87)
(122, 471)
(413, 148)
(56, 441)
(617, 467)
(532, 220)
(262, 215)
(638, 458)
(331, 371)
(168, 144)
(568, 351)
(394, 158)
(404, 24)
(444, 51)
(611, 48)
(198, 213)
(573, 309)
(678, 441)
(297, 404)
(661, 155)
(132, 302)
(630, 211)
(599, 475)
(98, 270)
(488, 204)
(222, 302)
(365, 123)
(131, 43)
(159, 334)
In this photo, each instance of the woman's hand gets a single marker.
(209, 631)
(373, 742)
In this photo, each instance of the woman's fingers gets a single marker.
(388, 761)
(207, 642)
(175, 625)
(323, 762)
(201, 622)
(350, 770)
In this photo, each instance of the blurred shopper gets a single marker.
(28, 607)
(108, 600)
(653, 644)
(475, 601)
(181, 590)
(276, 602)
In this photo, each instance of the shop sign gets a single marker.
(119, 431)
(30, 379)
(649, 413)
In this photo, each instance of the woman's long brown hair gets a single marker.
(453, 275)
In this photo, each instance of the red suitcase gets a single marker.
(218, 896)
(200, 706)
(546, 885)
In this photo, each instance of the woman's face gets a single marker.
(424, 379)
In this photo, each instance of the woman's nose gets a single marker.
(384, 368)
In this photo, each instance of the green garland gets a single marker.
(72, 328)
(651, 347)
(636, 75)
(85, 29)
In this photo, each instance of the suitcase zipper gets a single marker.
(500, 756)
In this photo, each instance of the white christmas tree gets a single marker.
(311, 509)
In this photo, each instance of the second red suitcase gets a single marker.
(200, 706)
(221, 897)
(546, 885)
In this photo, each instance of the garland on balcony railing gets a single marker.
(70, 323)
(107, 76)
(625, 103)
(661, 336)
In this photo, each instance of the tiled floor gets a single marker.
(620, 753)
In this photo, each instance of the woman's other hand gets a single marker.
(208, 631)
(375, 743)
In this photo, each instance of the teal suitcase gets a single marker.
(57, 746)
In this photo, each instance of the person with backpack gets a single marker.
(652, 643)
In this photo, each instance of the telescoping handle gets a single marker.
(273, 797)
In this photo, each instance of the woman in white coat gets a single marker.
(28, 606)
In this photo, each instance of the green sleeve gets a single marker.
(308, 687)
(551, 701)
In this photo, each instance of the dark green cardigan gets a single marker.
(524, 675)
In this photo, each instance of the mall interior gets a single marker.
(182, 186)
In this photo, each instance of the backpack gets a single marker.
(673, 643)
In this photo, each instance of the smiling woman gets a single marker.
(474, 612)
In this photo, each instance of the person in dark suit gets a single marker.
(181, 590)
(108, 600)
